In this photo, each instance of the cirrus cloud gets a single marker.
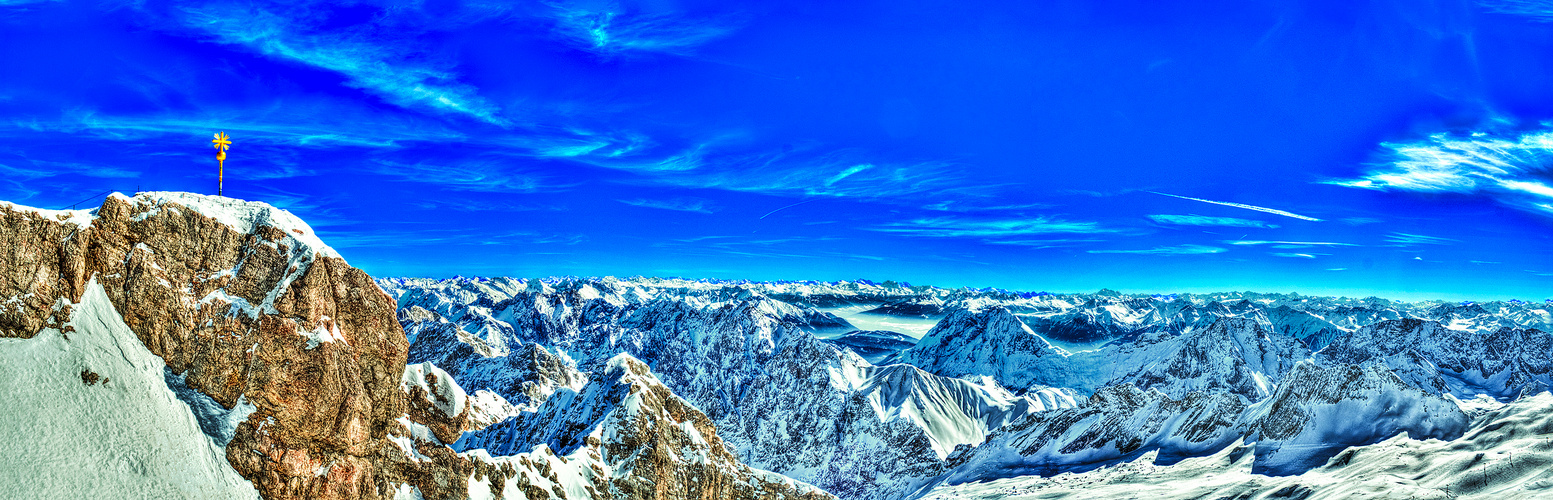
(1170, 250)
(1199, 220)
(1514, 169)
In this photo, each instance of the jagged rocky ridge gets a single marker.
(1504, 454)
(1178, 376)
(287, 358)
(783, 399)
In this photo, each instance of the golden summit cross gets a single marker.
(221, 142)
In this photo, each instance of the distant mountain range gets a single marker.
(1009, 383)
(172, 345)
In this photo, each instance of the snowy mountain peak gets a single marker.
(245, 217)
(630, 437)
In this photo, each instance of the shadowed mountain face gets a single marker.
(874, 346)
(1502, 363)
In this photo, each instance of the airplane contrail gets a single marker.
(768, 214)
(1242, 205)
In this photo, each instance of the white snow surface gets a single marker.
(1504, 456)
(81, 218)
(244, 216)
(444, 392)
(126, 436)
(301, 244)
(327, 331)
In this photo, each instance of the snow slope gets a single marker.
(1315, 413)
(1230, 354)
(125, 436)
(1504, 455)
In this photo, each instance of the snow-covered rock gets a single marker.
(1234, 355)
(783, 399)
(1315, 413)
(1503, 455)
(86, 412)
(1502, 363)
(246, 307)
(623, 435)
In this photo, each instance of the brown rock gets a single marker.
(323, 412)
(260, 312)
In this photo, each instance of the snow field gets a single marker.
(125, 436)
(1508, 454)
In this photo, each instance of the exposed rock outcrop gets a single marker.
(246, 304)
(243, 300)
(630, 437)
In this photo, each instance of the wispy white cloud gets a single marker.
(608, 29)
(39, 169)
(440, 237)
(1170, 250)
(842, 173)
(465, 204)
(847, 173)
(953, 227)
(1297, 255)
(1537, 10)
(1406, 240)
(796, 246)
(265, 128)
(1044, 243)
(677, 204)
(394, 72)
(1242, 205)
(1290, 244)
(1360, 221)
(485, 175)
(972, 206)
(1199, 220)
(1514, 169)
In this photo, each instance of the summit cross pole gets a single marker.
(221, 142)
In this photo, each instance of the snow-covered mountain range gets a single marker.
(172, 345)
(1006, 383)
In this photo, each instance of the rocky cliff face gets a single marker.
(250, 309)
(244, 304)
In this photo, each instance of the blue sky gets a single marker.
(1394, 148)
